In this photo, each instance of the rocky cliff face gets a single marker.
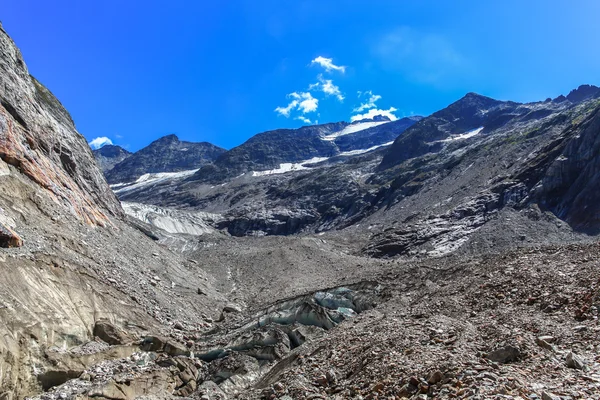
(110, 155)
(69, 262)
(570, 185)
(167, 154)
(38, 137)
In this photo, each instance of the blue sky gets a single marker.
(222, 71)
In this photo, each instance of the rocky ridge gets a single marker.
(109, 155)
(167, 154)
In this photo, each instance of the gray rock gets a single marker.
(109, 333)
(504, 354)
(549, 396)
(575, 361)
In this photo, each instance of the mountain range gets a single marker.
(447, 256)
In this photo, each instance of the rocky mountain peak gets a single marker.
(166, 154)
(583, 92)
(376, 118)
(110, 155)
(111, 150)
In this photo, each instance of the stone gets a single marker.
(232, 308)
(576, 362)
(109, 333)
(322, 380)
(435, 377)
(549, 396)
(544, 343)
(504, 354)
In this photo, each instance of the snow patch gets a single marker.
(356, 152)
(150, 179)
(352, 128)
(290, 167)
(462, 136)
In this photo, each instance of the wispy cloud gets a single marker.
(303, 102)
(370, 103)
(328, 64)
(304, 119)
(327, 87)
(99, 142)
(422, 57)
(373, 112)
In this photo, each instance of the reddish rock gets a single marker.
(9, 238)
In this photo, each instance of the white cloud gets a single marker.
(303, 101)
(373, 112)
(99, 142)
(328, 64)
(304, 119)
(373, 98)
(285, 111)
(327, 87)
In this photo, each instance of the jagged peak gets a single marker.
(111, 149)
(583, 92)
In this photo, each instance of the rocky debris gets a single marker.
(209, 390)
(442, 234)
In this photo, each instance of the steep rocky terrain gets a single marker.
(110, 155)
(458, 262)
(167, 154)
(72, 262)
(269, 150)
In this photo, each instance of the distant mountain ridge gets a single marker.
(167, 154)
(110, 155)
(268, 150)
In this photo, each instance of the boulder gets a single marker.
(504, 354)
(576, 362)
(109, 333)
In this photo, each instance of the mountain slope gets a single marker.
(269, 150)
(110, 155)
(167, 154)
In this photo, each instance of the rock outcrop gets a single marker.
(37, 136)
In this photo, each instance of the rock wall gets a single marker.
(38, 136)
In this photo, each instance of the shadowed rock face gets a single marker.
(110, 155)
(570, 185)
(38, 137)
(471, 112)
(167, 154)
